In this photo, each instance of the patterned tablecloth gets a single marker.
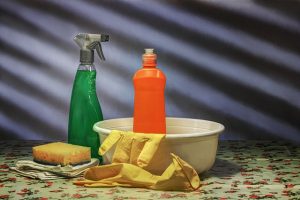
(243, 170)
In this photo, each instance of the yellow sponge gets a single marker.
(59, 153)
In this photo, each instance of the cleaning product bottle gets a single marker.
(85, 109)
(149, 101)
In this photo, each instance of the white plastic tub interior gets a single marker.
(194, 140)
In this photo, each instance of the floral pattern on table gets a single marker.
(243, 170)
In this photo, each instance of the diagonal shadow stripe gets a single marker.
(36, 92)
(33, 61)
(207, 27)
(214, 45)
(16, 130)
(289, 8)
(63, 14)
(56, 57)
(7, 134)
(112, 107)
(98, 26)
(21, 116)
(34, 76)
(284, 38)
(232, 124)
(282, 123)
(251, 97)
(194, 109)
(27, 27)
(212, 62)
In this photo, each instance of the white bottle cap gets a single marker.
(149, 51)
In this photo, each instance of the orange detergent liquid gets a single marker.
(149, 99)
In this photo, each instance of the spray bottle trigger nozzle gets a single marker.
(97, 45)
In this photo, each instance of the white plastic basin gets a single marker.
(194, 140)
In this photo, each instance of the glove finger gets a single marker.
(109, 142)
(189, 172)
(103, 172)
(123, 148)
(83, 182)
(118, 174)
(138, 144)
(178, 176)
(149, 149)
(107, 184)
(160, 160)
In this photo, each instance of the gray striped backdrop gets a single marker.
(236, 62)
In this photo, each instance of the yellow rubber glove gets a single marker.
(136, 161)
(148, 151)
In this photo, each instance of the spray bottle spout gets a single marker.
(87, 43)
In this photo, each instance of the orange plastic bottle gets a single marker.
(149, 99)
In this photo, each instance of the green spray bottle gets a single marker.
(85, 109)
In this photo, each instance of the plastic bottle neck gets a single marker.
(86, 67)
(149, 60)
(86, 56)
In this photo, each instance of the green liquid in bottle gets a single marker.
(85, 111)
